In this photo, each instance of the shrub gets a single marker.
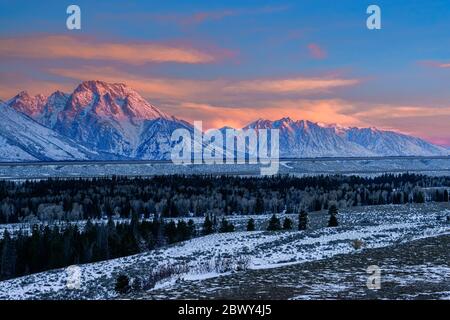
(122, 284)
(357, 244)
(164, 272)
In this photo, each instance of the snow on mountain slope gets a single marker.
(10, 152)
(22, 138)
(389, 143)
(308, 139)
(109, 117)
(155, 138)
(54, 105)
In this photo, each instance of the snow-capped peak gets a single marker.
(25, 103)
(115, 100)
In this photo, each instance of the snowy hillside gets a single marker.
(21, 138)
(201, 258)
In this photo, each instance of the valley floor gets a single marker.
(434, 166)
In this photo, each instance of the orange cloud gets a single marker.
(51, 47)
(435, 64)
(322, 111)
(157, 88)
(316, 51)
(396, 111)
(200, 17)
(198, 90)
(298, 84)
(12, 83)
(427, 122)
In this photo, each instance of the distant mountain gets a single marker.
(389, 143)
(22, 138)
(308, 139)
(103, 121)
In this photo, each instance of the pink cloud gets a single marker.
(217, 116)
(435, 64)
(201, 17)
(204, 16)
(290, 85)
(316, 51)
(62, 46)
(214, 89)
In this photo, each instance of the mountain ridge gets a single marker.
(111, 119)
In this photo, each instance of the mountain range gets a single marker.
(103, 121)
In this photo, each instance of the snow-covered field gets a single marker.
(376, 226)
(239, 221)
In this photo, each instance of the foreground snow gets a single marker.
(376, 226)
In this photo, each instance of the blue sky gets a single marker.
(238, 59)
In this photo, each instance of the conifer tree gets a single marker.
(170, 231)
(192, 229)
(333, 211)
(287, 224)
(303, 220)
(226, 226)
(182, 231)
(274, 224)
(8, 257)
(207, 226)
(333, 222)
(251, 225)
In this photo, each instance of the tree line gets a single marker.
(181, 196)
(55, 247)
